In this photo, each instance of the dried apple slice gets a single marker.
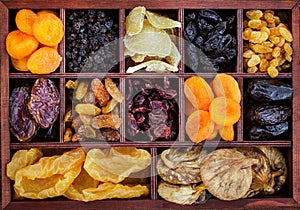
(135, 20)
(161, 22)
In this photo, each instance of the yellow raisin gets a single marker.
(271, 25)
(269, 17)
(286, 66)
(277, 20)
(287, 48)
(248, 53)
(258, 48)
(286, 34)
(276, 52)
(272, 72)
(247, 33)
(268, 56)
(254, 23)
(254, 14)
(81, 90)
(288, 57)
(274, 31)
(253, 61)
(252, 69)
(264, 64)
(258, 36)
(274, 39)
(274, 62)
(281, 42)
(265, 29)
(268, 44)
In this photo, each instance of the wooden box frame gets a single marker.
(153, 202)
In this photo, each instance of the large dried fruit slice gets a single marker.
(174, 57)
(198, 92)
(182, 194)
(148, 27)
(227, 173)
(25, 19)
(161, 22)
(149, 43)
(135, 20)
(153, 65)
(226, 85)
(199, 126)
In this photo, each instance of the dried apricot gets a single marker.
(20, 44)
(227, 133)
(198, 92)
(44, 61)
(135, 20)
(224, 111)
(199, 126)
(25, 19)
(46, 12)
(226, 85)
(48, 29)
(20, 64)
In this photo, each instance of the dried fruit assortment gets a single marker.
(34, 110)
(91, 40)
(216, 108)
(152, 110)
(94, 114)
(267, 42)
(149, 41)
(72, 173)
(33, 46)
(270, 110)
(210, 44)
(191, 175)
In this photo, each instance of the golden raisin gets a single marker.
(253, 61)
(287, 48)
(286, 34)
(254, 14)
(276, 52)
(252, 69)
(258, 48)
(272, 71)
(264, 64)
(254, 23)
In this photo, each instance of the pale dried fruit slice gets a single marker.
(227, 173)
(161, 22)
(128, 52)
(148, 27)
(138, 57)
(153, 65)
(174, 57)
(150, 43)
(135, 20)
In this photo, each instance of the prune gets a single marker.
(268, 132)
(213, 37)
(22, 125)
(267, 114)
(269, 90)
(153, 112)
(44, 102)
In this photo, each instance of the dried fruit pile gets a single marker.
(191, 174)
(76, 175)
(211, 43)
(149, 43)
(152, 111)
(33, 46)
(34, 108)
(94, 114)
(211, 110)
(269, 113)
(91, 41)
(267, 42)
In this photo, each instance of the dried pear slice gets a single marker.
(135, 20)
(174, 57)
(153, 65)
(227, 173)
(149, 43)
(161, 22)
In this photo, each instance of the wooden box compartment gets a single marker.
(289, 196)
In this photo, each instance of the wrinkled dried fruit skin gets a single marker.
(181, 165)
(44, 102)
(106, 121)
(269, 114)
(100, 92)
(113, 90)
(268, 132)
(22, 125)
(269, 90)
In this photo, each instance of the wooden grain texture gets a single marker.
(291, 200)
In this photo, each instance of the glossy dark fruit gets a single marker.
(269, 114)
(270, 90)
(44, 102)
(268, 132)
(22, 126)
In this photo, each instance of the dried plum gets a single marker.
(213, 34)
(268, 132)
(22, 125)
(44, 102)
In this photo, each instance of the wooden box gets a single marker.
(288, 197)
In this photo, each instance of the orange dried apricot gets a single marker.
(198, 92)
(20, 64)
(226, 85)
(48, 29)
(227, 133)
(199, 126)
(44, 61)
(46, 12)
(25, 19)
(20, 44)
(224, 111)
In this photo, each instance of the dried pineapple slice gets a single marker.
(161, 22)
(150, 43)
(153, 65)
(174, 57)
(135, 20)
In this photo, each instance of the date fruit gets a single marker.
(22, 125)
(44, 102)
